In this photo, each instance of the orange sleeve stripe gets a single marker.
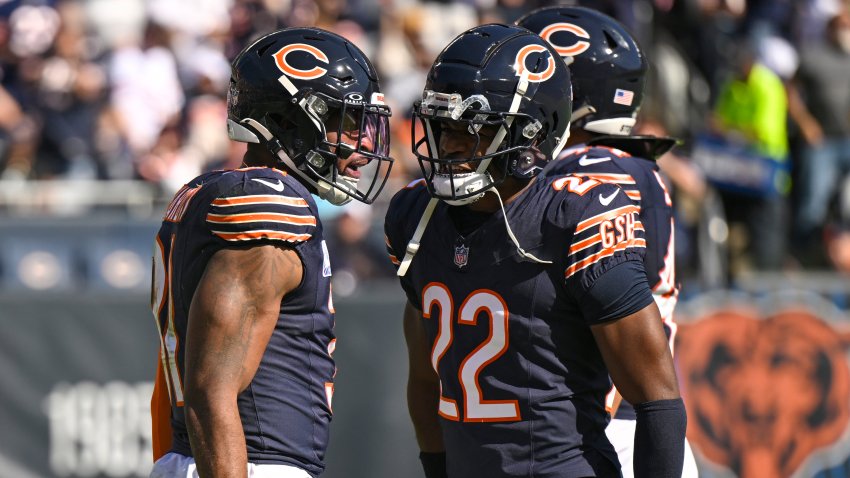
(633, 194)
(611, 177)
(603, 254)
(415, 183)
(274, 235)
(260, 217)
(160, 415)
(394, 260)
(259, 199)
(590, 222)
(585, 243)
(251, 168)
(591, 241)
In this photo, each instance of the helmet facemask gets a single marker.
(464, 179)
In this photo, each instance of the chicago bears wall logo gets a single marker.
(765, 392)
(576, 48)
(280, 58)
(521, 66)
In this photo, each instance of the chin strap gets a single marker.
(413, 245)
(519, 248)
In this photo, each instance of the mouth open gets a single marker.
(455, 169)
(352, 168)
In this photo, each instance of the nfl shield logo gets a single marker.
(461, 255)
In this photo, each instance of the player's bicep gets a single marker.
(233, 313)
(418, 346)
(635, 351)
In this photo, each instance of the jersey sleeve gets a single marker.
(262, 209)
(399, 224)
(604, 264)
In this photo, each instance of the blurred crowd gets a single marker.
(758, 91)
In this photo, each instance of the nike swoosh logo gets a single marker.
(607, 200)
(585, 161)
(276, 186)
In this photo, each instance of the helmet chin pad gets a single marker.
(335, 195)
(472, 184)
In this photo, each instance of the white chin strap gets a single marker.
(324, 188)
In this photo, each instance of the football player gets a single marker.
(242, 291)
(608, 69)
(523, 291)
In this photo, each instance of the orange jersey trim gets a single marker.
(633, 194)
(610, 177)
(262, 234)
(260, 199)
(252, 168)
(590, 222)
(603, 254)
(261, 217)
(160, 415)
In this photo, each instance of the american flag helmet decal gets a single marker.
(623, 97)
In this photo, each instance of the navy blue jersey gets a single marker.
(640, 179)
(522, 381)
(285, 410)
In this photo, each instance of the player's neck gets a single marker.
(259, 156)
(579, 136)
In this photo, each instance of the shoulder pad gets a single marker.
(264, 204)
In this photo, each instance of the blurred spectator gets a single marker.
(811, 19)
(837, 238)
(825, 126)
(15, 133)
(146, 91)
(70, 94)
(357, 253)
(208, 75)
(405, 60)
(752, 110)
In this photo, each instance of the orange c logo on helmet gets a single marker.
(576, 48)
(289, 70)
(520, 67)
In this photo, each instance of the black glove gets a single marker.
(434, 464)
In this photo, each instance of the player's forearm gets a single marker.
(217, 438)
(422, 403)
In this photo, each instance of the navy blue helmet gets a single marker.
(313, 99)
(607, 65)
(504, 79)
